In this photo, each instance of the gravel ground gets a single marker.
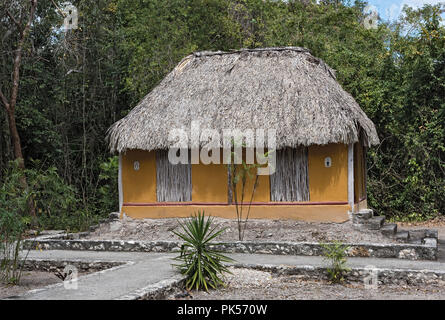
(436, 223)
(30, 280)
(264, 230)
(246, 284)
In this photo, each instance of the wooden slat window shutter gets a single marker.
(173, 182)
(290, 181)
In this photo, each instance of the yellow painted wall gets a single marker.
(139, 186)
(328, 184)
(209, 183)
(320, 213)
(262, 192)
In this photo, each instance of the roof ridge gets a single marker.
(213, 53)
(328, 69)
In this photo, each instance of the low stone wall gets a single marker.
(156, 291)
(398, 251)
(369, 277)
(426, 251)
(364, 275)
(81, 266)
(103, 245)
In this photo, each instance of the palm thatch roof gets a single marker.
(284, 88)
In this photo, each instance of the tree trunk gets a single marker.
(11, 104)
(15, 139)
(17, 147)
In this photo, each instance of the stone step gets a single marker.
(375, 223)
(362, 216)
(402, 236)
(367, 213)
(389, 229)
(421, 234)
(430, 242)
(114, 216)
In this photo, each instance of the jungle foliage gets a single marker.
(75, 84)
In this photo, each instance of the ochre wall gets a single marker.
(139, 186)
(320, 213)
(262, 191)
(328, 184)
(209, 183)
(210, 186)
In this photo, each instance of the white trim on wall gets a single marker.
(351, 176)
(119, 182)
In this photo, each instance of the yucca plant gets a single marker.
(202, 265)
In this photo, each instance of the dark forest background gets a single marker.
(75, 84)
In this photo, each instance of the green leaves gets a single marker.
(202, 265)
(56, 203)
(407, 173)
(12, 228)
(74, 85)
(108, 197)
(335, 254)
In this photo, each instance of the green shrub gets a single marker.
(56, 203)
(108, 196)
(240, 174)
(12, 228)
(14, 221)
(335, 253)
(201, 264)
(13, 197)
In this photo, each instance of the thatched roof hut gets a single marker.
(284, 88)
(321, 137)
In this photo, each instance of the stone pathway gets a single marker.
(140, 270)
(146, 270)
